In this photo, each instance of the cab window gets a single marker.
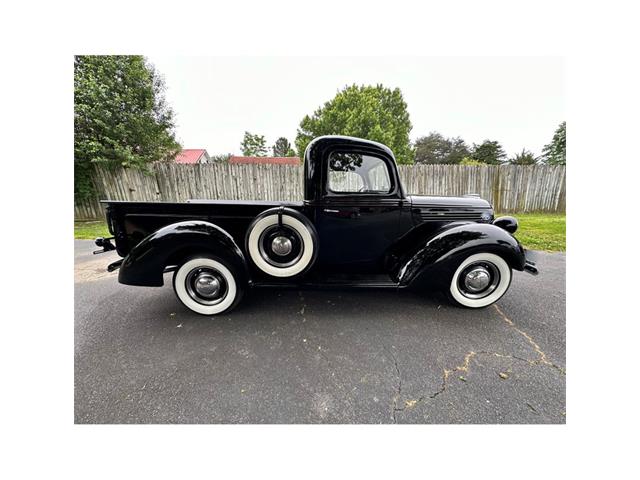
(358, 173)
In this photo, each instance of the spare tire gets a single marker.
(282, 242)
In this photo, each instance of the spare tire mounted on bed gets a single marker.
(282, 242)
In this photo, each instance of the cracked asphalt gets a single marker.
(286, 356)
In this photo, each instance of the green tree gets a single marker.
(489, 152)
(434, 148)
(471, 162)
(220, 158)
(555, 153)
(121, 117)
(253, 145)
(375, 113)
(523, 158)
(282, 148)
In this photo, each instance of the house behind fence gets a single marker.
(510, 188)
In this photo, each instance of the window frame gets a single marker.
(387, 161)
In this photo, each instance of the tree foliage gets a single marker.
(434, 148)
(555, 153)
(121, 117)
(523, 158)
(470, 162)
(375, 113)
(220, 158)
(489, 152)
(282, 148)
(253, 145)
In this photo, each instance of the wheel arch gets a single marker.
(433, 260)
(172, 244)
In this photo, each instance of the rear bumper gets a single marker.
(105, 243)
(115, 265)
(529, 264)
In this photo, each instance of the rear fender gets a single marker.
(434, 261)
(145, 264)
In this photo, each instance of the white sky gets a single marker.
(518, 101)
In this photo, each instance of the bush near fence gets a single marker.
(510, 188)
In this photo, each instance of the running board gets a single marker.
(372, 285)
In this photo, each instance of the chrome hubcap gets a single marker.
(477, 279)
(281, 246)
(207, 285)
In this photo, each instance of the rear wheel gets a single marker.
(480, 280)
(207, 285)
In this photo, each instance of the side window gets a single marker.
(379, 178)
(358, 173)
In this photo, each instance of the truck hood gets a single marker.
(453, 202)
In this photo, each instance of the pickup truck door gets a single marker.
(358, 216)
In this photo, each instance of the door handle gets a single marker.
(331, 210)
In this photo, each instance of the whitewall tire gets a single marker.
(207, 285)
(480, 280)
(282, 250)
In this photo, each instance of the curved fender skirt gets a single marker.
(145, 264)
(435, 261)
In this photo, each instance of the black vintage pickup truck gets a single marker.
(355, 227)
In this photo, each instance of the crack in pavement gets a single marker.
(460, 368)
(394, 404)
(542, 357)
(466, 364)
(464, 367)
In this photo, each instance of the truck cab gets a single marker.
(354, 194)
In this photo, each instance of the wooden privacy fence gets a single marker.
(510, 188)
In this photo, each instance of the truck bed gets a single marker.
(130, 222)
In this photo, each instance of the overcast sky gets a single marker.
(518, 101)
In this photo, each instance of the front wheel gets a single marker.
(207, 285)
(480, 280)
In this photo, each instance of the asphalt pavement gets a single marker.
(287, 356)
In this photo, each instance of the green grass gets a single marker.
(542, 231)
(90, 230)
(537, 231)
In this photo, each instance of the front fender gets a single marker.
(145, 264)
(435, 260)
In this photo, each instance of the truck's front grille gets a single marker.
(444, 215)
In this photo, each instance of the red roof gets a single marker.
(266, 160)
(190, 155)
